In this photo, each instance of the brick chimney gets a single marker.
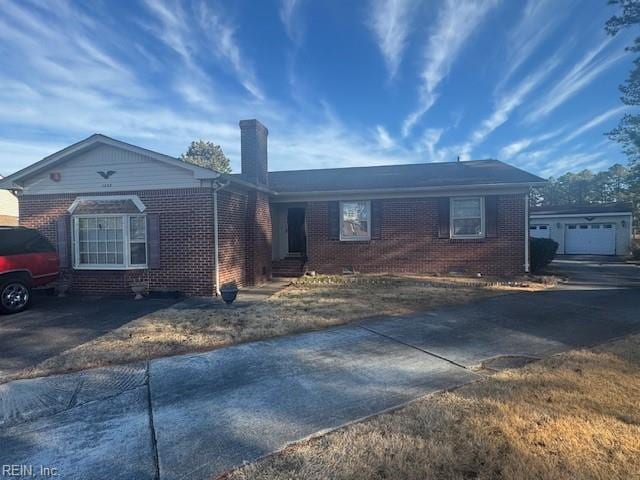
(253, 151)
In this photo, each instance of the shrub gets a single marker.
(543, 251)
(635, 250)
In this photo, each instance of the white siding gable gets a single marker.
(133, 171)
(8, 204)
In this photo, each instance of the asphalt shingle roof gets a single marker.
(585, 208)
(418, 175)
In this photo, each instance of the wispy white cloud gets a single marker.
(391, 22)
(590, 66)
(532, 159)
(517, 147)
(595, 121)
(289, 16)
(16, 154)
(505, 104)
(202, 28)
(456, 22)
(428, 143)
(222, 38)
(539, 19)
(518, 151)
(71, 85)
(574, 162)
(384, 139)
(514, 148)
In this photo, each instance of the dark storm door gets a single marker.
(295, 229)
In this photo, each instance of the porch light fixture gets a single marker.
(623, 223)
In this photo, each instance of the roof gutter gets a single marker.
(443, 188)
(414, 189)
(578, 215)
(246, 184)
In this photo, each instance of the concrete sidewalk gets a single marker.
(195, 416)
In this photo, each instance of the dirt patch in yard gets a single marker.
(574, 415)
(311, 303)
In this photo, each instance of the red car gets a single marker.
(27, 259)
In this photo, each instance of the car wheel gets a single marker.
(15, 296)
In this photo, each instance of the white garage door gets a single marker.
(590, 239)
(539, 231)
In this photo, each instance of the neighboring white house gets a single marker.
(8, 208)
(594, 229)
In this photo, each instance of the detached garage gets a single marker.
(594, 229)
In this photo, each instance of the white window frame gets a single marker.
(482, 233)
(126, 243)
(361, 238)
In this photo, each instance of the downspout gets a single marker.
(526, 233)
(217, 185)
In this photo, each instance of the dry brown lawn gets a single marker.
(572, 416)
(312, 303)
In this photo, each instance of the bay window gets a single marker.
(355, 220)
(109, 242)
(467, 217)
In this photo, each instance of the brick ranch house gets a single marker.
(120, 214)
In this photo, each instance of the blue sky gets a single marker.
(369, 82)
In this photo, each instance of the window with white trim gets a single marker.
(355, 220)
(109, 242)
(467, 217)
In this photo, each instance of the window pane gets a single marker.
(137, 228)
(100, 239)
(138, 254)
(465, 208)
(355, 219)
(467, 226)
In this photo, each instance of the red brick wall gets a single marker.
(232, 208)
(410, 243)
(259, 238)
(186, 241)
(245, 237)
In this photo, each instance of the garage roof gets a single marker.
(585, 208)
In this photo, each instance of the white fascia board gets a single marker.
(105, 198)
(579, 215)
(449, 191)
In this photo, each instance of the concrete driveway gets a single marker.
(53, 325)
(195, 416)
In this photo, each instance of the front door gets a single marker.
(295, 230)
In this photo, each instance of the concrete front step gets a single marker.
(288, 267)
